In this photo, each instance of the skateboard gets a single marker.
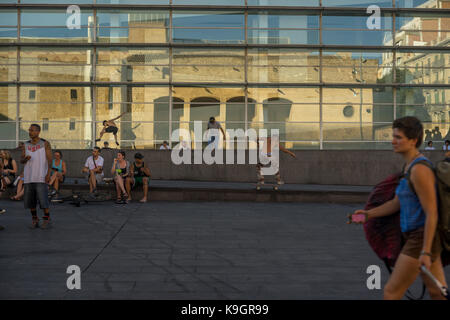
(275, 186)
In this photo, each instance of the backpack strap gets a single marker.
(408, 173)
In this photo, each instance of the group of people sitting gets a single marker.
(125, 176)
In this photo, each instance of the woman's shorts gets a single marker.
(11, 178)
(414, 244)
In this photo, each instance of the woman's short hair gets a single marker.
(411, 127)
(122, 153)
(59, 151)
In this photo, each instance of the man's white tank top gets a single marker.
(36, 168)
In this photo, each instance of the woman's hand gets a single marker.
(363, 212)
(425, 260)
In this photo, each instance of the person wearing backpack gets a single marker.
(416, 198)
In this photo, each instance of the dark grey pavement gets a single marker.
(188, 250)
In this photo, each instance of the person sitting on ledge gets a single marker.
(139, 175)
(58, 173)
(120, 170)
(93, 168)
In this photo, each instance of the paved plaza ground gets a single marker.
(188, 250)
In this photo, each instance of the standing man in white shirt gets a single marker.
(93, 168)
(37, 157)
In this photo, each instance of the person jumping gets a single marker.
(109, 126)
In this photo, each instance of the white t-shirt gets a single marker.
(429, 148)
(90, 163)
(445, 148)
(162, 148)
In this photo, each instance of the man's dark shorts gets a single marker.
(112, 129)
(34, 192)
(139, 181)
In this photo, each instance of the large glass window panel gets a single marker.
(282, 36)
(8, 94)
(8, 72)
(290, 131)
(357, 3)
(8, 35)
(351, 29)
(427, 104)
(437, 132)
(52, 18)
(287, 111)
(58, 133)
(131, 131)
(55, 73)
(208, 19)
(213, 36)
(307, 95)
(423, 21)
(283, 57)
(53, 94)
(283, 19)
(52, 55)
(280, 74)
(8, 17)
(56, 111)
(212, 56)
(132, 56)
(125, 18)
(354, 112)
(414, 3)
(7, 131)
(56, 34)
(357, 75)
(8, 111)
(133, 35)
(302, 3)
(354, 96)
(212, 73)
(123, 96)
(352, 58)
(133, 73)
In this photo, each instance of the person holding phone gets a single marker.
(120, 169)
(418, 206)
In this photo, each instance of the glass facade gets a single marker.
(326, 73)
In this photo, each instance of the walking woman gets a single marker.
(418, 215)
(120, 170)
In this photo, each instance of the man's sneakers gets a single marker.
(46, 223)
(2, 211)
(34, 223)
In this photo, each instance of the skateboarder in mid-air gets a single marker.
(266, 153)
(109, 126)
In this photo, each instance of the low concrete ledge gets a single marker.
(161, 190)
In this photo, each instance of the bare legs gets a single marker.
(120, 186)
(144, 186)
(405, 273)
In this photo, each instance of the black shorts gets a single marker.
(112, 129)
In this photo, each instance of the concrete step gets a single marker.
(175, 190)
